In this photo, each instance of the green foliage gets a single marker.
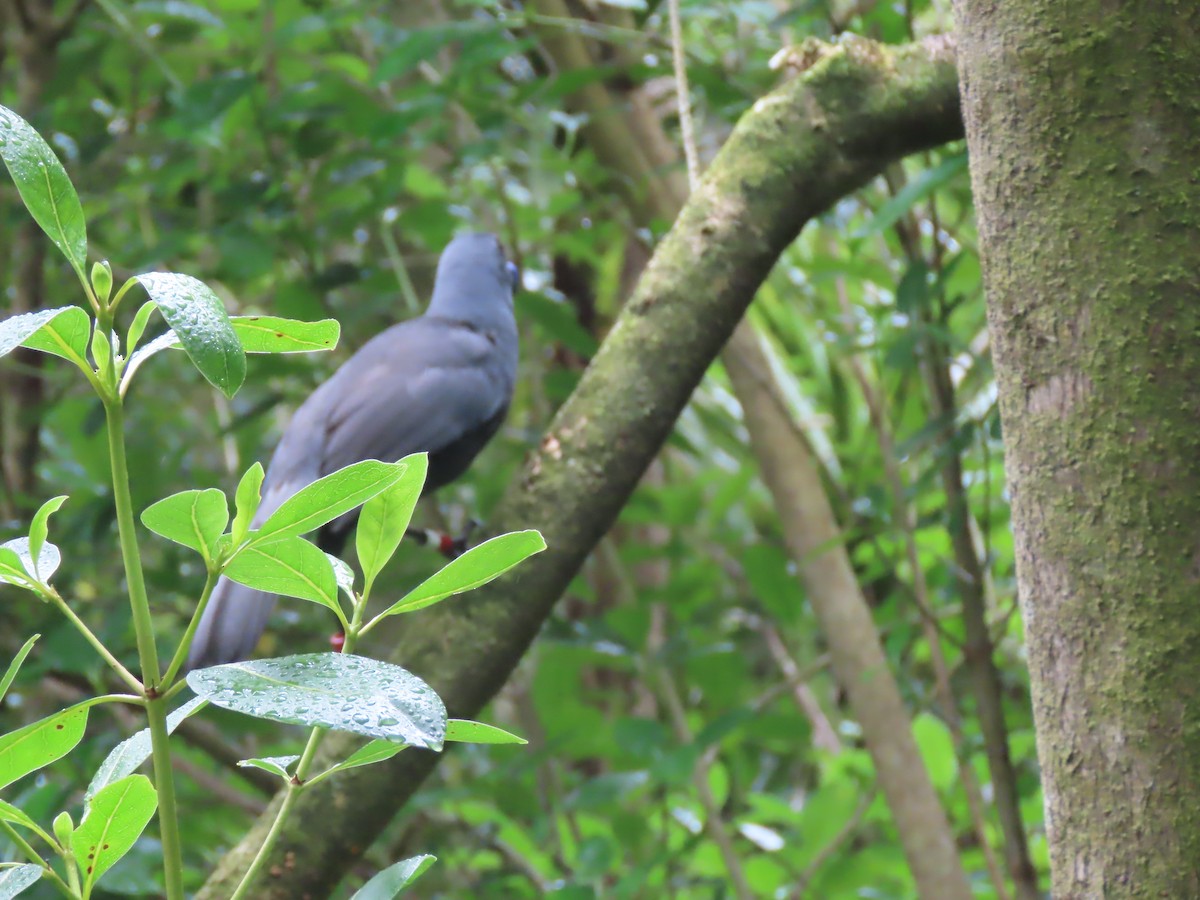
(45, 189)
(330, 690)
(193, 518)
(327, 498)
(15, 666)
(41, 743)
(290, 566)
(395, 878)
(116, 816)
(18, 329)
(343, 691)
(385, 518)
(14, 878)
(469, 732)
(68, 334)
(476, 567)
(128, 756)
(198, 318)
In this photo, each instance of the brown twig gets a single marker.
(906, 517)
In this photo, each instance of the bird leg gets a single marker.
(448, 545)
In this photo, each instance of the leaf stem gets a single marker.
(295, 786)
(185, 644)
(156, 711)
(298, 782)
(34, 857)
(128, 677)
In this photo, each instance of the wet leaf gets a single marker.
(198, 318)
(44, 186)
(331, 690)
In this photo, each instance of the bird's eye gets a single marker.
(514, 274)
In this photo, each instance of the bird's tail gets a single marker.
(233, 621)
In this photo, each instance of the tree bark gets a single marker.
(633, 144)
(1081, 120)
(804, 146)
(816, 542)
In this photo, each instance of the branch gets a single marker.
(796, 153)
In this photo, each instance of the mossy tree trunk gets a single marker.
(1083, 121)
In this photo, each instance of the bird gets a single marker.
(441, 382)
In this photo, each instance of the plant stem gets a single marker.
(128, 677)
(25, 847)
(156, 712)
(295, 786)
(186, 643)
(299, 780)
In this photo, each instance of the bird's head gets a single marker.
(474, 279)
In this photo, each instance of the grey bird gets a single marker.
(441, 382)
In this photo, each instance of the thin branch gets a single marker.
(824, 735)
(683, 98)
(907, 519)
(833, 846)
(714, 820)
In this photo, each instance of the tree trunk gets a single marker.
(1082, 123)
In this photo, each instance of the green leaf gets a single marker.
(40, 743)
(102, 281)
(385, 518)
(102, 350)
(15, 878)
(343, 574)
(913, 193)
(276, 765)
(202, 326)
(193, 518)
(66, 334)
(329, 497)
(138, 326)
(389, 882)
(937, 749)
(64, 828)
(47, 561)
(246, 499)
(560, 323)
(331, 690)
(38, 528)
(125, 758)
(476, 567)
(44, 187)
(12, 569)
(15, 666)
(258, 334)
(271, 334)
(15, 331)
(372, 752)
(117, 816)
(464, 731)
(10, 813)
(418, 44)
(290, 566)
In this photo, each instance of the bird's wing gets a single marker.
(420, 385)
(424, 386)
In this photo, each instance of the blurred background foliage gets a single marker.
(310, 159)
